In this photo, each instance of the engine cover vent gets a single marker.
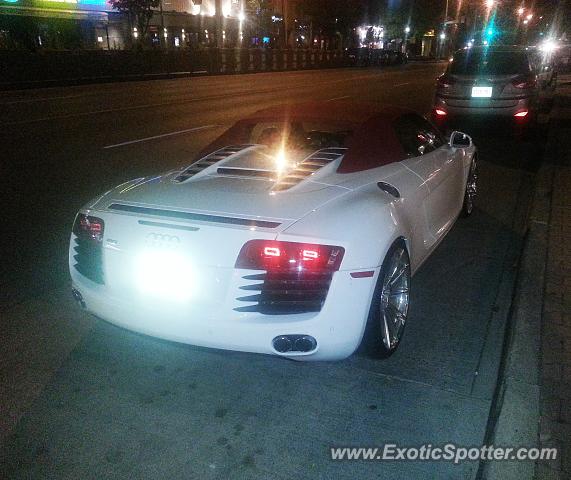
(208, 161)
(308, 167)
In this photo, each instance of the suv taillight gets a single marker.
(524, 82)
(289, 256)
(86, 226)
(444, 81)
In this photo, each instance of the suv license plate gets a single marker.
(482, 92)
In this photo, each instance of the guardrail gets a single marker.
(23, 69)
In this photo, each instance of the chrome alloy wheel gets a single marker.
(395, 298)
(471, 188)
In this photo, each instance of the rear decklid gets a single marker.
(240, 189)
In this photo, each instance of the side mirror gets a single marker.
(460, 140)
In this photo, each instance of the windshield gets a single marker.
(299, 139)
(488, 62)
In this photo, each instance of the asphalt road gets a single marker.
(83, 399)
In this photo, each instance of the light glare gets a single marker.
(164, 273)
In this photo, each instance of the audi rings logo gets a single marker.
(162, 240)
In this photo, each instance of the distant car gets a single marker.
(391, 57)
(495, 81)
(295, 233)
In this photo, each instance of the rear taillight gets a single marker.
(524, 82)
(86, 226)
(440, 112)
(444, 81)
(521, 114)
(289, 256)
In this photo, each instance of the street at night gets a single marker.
(82, 398)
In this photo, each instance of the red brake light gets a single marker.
(309, 255)
(289, 256)
(440, 112)
(88, 226)
(524, 82)
(521, 114)
(272, 251)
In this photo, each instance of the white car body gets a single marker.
(170, 243)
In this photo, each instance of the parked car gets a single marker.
(295, 233)
(494, 81)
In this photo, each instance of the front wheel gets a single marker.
(389, 307)
(471, 189)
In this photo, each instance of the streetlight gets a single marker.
(241, 19)
(442, 36)
(520, 11)
(490, 3)
(407, 29)
(529, 17)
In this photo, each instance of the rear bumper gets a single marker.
(337, 328)
(495, 108)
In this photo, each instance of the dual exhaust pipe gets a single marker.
(294, 343)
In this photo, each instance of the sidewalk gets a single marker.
(555, 363)
(533, 397)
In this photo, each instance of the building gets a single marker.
(93, 24)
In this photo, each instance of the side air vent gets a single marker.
(208, 161)
(308, 167)
(87, 246)
(282, 293)
(387, 187)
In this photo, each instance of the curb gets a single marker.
(515, 410)
(143, 77)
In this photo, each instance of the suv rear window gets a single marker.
(486, 62)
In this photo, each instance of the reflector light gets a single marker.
(521, 114)
(439, 112)
(289, 256)
(367, 274)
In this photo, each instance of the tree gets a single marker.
(139, 13)
(261, 11)
(334, 18)
(395, 15)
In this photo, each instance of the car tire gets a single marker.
(471, 189)
(529, 130)
(390, 304)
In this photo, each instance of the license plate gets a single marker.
(482, 92)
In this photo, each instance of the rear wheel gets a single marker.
(471, 189)
(389, 307)
(527, 130)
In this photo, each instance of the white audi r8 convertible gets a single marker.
(295, 233)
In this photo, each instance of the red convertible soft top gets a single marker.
(373, 142)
